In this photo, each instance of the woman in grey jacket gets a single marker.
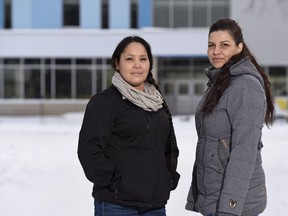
(228, 178)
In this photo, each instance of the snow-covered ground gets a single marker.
(40, 174)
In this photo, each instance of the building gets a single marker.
(54, 55)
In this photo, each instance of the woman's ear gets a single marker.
(240, 47)
(116, 65)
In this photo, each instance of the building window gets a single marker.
(11, 83)
(200, 15)
(7, 14)
(84, 83)
(105, 16)
(217, 11)
(183, 70)
(32, 83)
(53, 78)
(183, 89)
(71, 13)
(63, 83)
(134, 14)
(180, 14)
(162, 13)
(279, 80)
(32, 78)
(12, 78)
(168, 88)
(174, 68)
(47, 84)
(189, 13)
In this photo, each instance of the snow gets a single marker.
(41, 175)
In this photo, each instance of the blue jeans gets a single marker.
(111, 209)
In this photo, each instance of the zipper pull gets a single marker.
(224, 143)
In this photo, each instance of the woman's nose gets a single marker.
(216, 50)
(137, 64)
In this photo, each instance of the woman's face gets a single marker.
(134, 65)
(221, 47)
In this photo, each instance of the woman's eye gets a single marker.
(129, 59)
(210, 45)
(144, 59)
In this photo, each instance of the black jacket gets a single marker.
(126, 152)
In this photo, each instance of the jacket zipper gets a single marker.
(223, 142)
(148, 127)
(203, 153)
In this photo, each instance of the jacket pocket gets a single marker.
(137, 184)
(223, 152)
(256, 194)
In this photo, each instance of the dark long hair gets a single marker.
(222, 79)
(116, 58)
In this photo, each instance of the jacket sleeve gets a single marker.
(246, 107)
(172, 153)
(94, 134)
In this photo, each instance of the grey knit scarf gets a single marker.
(150, 99)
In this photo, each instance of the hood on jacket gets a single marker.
(245, 66)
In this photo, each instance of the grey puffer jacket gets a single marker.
(228, 178)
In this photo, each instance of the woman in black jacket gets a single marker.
(127, 146)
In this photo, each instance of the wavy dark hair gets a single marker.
(116, 58)
(222, 80)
